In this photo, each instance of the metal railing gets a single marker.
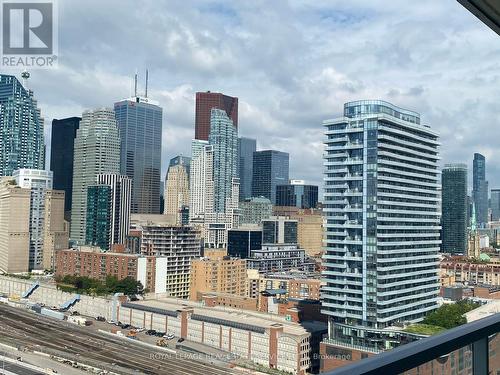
(409, 356)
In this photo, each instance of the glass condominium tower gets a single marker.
(140, 124)
(21, 128)
(382, 204)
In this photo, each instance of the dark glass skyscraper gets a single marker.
(480, 189)
(454, 209)
(140, 125)
(61, 155)
(246, 148)
(495, 204)
(297, 195)
(99, 216)
(270, 169)
(205, 102)
(21, 128)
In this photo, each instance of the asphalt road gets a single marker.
(31, 331)
(17, 369)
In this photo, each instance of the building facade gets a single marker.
(246, 148)
(92, 262)
(56, 229)
(254, 210)
(62, 148)
(480, 189)
(224, 139)
(382, 231)
(241, 241)
(297, 194)
(454, 209)
(205, 102)
(217, 272)
(14, 226)
(21, 128)
(177, 187)
(179, 245)
(495, 204)
(97, 151)
(39, 182)
(140, 124)
(270, 169)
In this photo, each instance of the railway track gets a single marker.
(27, 329)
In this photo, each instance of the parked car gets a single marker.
(180, 340)
(168, 336)
(100, 319)
(150, 332)
(159, 334)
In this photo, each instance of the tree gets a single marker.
(450, 315)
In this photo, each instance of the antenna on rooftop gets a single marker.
(146, 92)
(135, 84)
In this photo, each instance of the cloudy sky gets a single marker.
(291, 63)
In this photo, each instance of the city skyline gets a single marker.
(272, 99)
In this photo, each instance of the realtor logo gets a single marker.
(29, 33)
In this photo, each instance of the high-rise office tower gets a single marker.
(205, 102)
(56, 230)
(140, 124)
(297, 194)
(177, 187)
(214, 192)
(200, 174)
(62, 150)
(382, 231)
(21, 128)
(454, 209)
(224, 139)
(39, 182)
(495, 204)
(270, 169)
(97, 151)
(246, 148)
(14, 226)
(108, 210)
(480, 189)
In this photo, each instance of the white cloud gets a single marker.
(292, 64)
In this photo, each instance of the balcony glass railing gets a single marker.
(472, 348)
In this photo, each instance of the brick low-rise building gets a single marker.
(92, 262)
(464, 269)
(217, 272)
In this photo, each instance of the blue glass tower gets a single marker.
(224, 138)
(21, 128)
(270, 169)
(246, 148)
(140, 125)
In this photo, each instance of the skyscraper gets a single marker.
(98, 218)
(454, 209)
(382, 230)
(270, 169)
(246, 148)
(480, 189)
(39, 182)
(205, 102)
(121, 199)
(21, 128)
(140, 124)
(14, 226)
(224, 139)
(177, 186)
(495, 204)
(200, 174)
(62, 150)
(97, 151)
(297, 194)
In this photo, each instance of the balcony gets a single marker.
(480, 338)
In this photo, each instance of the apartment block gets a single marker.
(14, 226)
(92, 262)
(217, 272)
